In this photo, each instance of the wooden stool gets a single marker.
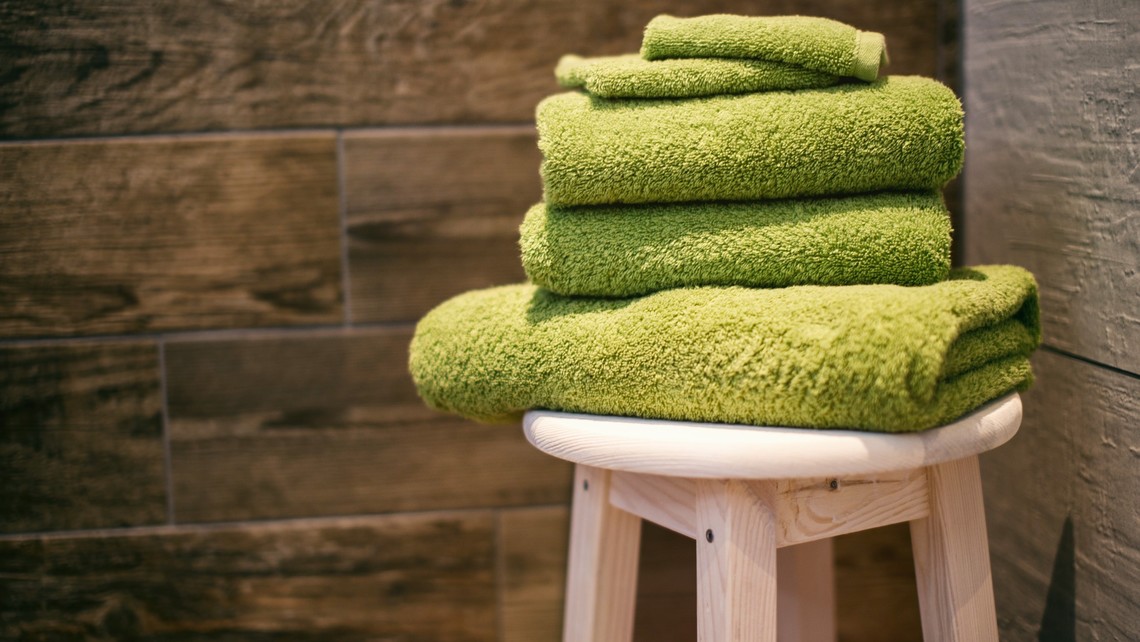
(743, 492)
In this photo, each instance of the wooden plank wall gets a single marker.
(218, 225)
(1051, 184)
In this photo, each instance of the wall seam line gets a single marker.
(342, 205)
(168, 470)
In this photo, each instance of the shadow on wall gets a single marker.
(1059, 622)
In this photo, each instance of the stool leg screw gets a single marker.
(709, 535)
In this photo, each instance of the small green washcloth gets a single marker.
(900, 132)
(630, 76)
(813, 43)
(627, 250)
(873, 357)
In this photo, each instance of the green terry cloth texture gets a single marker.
(813, 43)
(873, 357)
(630, 76)
(628, 250)
(900, 132)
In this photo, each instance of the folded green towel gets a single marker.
(625, 250)
(813, 43)
(630, 76)
(874, 357)
(900, 132)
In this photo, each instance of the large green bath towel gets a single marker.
(624, 250)
(874, 357)
(813, 43)
(900, 132)
(631, 76)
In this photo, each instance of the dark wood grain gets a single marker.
(80, 437)
(876, 596)
(533, 544)
(1061, 507)
(330, 424)
(96, 67)
(1051, 163)
(435, 213)
(160, 234)
(424, 578)
(666, 587)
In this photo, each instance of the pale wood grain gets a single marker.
(1061, 507)
(601, 580)
(98, 67)
(152, 235)
(951, 558)
(80, 437)
(736, 561)
(432, 213)
(690, 449)
(819, 508)
(409, 577)
(806, 592)
(329, 423)
(1051, 163)
(670, 502)
(807, 509)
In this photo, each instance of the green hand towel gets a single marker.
(813, 43)
(626, 250)
(630, 76)
(874, 357)
(900, 132)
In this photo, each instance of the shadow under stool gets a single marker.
(762, 502)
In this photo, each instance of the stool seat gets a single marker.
(728, 451)
(764, 501)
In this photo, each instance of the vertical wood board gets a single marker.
(1064, 523)
(1052, 151)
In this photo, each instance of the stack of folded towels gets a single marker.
(741, 224)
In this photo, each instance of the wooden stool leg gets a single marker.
(601, 581)
(806, 592)
(736, 561)
(952, 559)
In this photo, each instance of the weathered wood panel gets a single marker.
(666, 587)
(876, 595)
(533, 544)
(1061, 507)
(432, 213)
(94, 67)
(402, 578)
(80, 437)
(160, 234)
(330, 424)
(1051, 162)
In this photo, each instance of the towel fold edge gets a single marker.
(870, 53)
